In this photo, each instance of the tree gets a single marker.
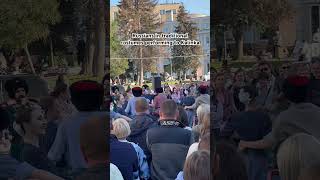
(138, 17)
(23, 22)
(117, 66)
(191, 62)
(237, 15)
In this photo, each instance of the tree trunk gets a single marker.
(141, 68)
(51, 53)
(29, 59)
(239, 42)
(101, 40)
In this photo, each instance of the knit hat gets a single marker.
(87, 95)
(12, 85)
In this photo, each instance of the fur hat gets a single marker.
(137, 91)
(295, 88)
(12, 85)
(87, 95)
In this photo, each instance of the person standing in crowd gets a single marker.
(141, 122)
(94, 148)
(314, 96)
(284, 72)
(124, 156)
(183, 118)
(302, 69)
(30, 119)
(203, 115)
(265, 92)
(10, 168)
(130, 109)
(250, 125)
(166, 164)
(119, 102)
(204, 98)
(223, 96)
(176, 95)
(159, 99)
(239, 81)
(292, 120)
(63, 102)
(167, 91)
(296, 153)
(87, 96)
(17, 90)
(122, 130)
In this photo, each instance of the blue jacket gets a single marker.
(124, 156)
(144, 171)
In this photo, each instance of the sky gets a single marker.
(193, 6)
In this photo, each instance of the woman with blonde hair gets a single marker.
(298, 152)
(121, 129)
(203, 116)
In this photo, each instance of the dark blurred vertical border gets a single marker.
(106, 79)
(212, 106)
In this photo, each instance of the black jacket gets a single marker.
(169, 145)
(139, 127)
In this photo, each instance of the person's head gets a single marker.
(303, 69)
(265, 67)
(121, 128)
(61, 91)
(219, 80)
(31, 119)
(49, 106)
(296, 153)
(197, 166)
(174, 90)
(203, 89)
(169, 110)
(159, 90)
(5, 136)
(93, 143)
(284, 70)
(231, 163)
(167, 90)
(247, 95)
(141, 105)
(16, 88)
(263, 81)
(183, 117)
(137, 91)
(203, 112)
(295, 88)
(239, 76)
(87, 95)
(315, 67)
(310, 173)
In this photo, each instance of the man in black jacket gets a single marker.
(141, 122)
(168, 143)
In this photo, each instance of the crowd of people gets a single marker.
(60, 136)
(260, 123)
(266, 121)
(162, 134)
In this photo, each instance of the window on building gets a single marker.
(162, 11)
(207, 40)
(174, 11)
(168, 12)
(315, 20)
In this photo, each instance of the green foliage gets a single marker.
(118, 67)
(185, 25)
(26, 21)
